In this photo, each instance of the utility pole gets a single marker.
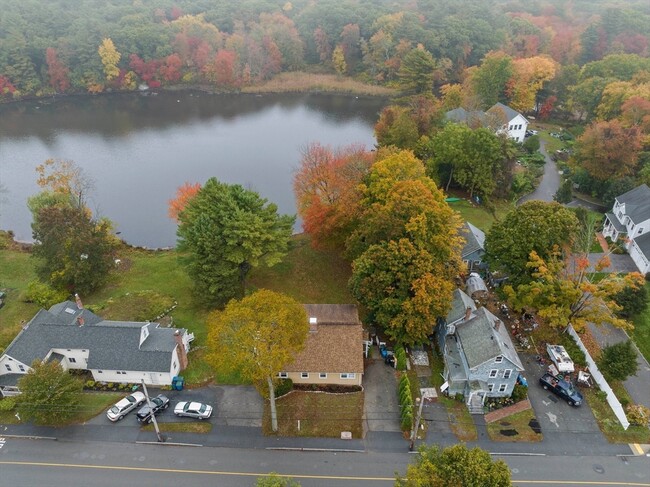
(425, 393)
(153, 416)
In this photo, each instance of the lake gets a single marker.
(138, 149)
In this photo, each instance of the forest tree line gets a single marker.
(92, 46)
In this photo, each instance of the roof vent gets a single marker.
(313, 324)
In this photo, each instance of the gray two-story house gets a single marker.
(630, 221)
(474, 248)
(480, 359)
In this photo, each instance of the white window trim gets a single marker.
(507, 373)
(490, 387)
(503, 387)
(72, 360)
(498, 359)
(494, 373)
(304, 375)
(348, 375)
(283, 375)
(8, 367)
(322, 375)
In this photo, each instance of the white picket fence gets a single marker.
(613, 401)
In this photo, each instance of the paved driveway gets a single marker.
(380, 397)
(554, 414)
(233, 406)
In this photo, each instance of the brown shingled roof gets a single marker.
(336, 346)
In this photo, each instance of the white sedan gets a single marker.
(124, 406)
(193, 410)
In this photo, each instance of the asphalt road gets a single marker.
(550, 182)
(26, 463)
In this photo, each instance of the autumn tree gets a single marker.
(57, 71)
(257, 337)
(534, 226)
(65, 177)
(326, 186)
(338, 60)
(455, 465)
(224, 231)
(563, 294)
(183, 194)
(607, 150)
(50, 395)
(490, 80)
(110, 58)
(529, 74)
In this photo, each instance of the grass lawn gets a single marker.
(515, 427)
(319, 414)
(91, 404)
(185, 427)
(479, 216)
(641, 332)
(460, 421)
(607, 421)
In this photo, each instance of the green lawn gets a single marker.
(515, 427)
(641, 332)
(479, 216)
(184, 427)
(608, 422)
(302, 413)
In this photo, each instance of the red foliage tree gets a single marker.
(176, 12)
(272, 58)
(57, 71)
(147, 70)
(7, 89)
(323, 45)
(183, 195)
(171, 68)
(547, 107)
(224, 68)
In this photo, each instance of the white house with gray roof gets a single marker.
(630, 221)
(480, 359)
(112, 351)
(500, 117)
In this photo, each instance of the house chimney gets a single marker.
(313, 324)
(497, 323)
(80, 320)
(468, 312)
(78, 301)
(182, 353)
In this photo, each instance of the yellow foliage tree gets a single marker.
(563, 294)
(110, 57)
(529, 76)
(338, 60)
(257, 337)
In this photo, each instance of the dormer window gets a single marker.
(499, 359)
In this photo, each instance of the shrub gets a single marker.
(7, 404)
(400, 358)
(407, 421)
(43, 295)
(404, 382)
(637, 414)
(405, 395)
(90, 384)
(284, 387)
(618, 361)
(633, 300)
(519, 393)
(459, 397)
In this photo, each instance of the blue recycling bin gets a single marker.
(177, 383)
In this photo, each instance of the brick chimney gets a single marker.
(80, 320)
(78, 301)
(182, 354)
(468, 313)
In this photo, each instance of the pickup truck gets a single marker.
(561, 388)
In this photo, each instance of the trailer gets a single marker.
(560, 358)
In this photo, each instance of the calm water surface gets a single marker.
(139, 149)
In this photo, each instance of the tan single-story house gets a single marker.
(333, 352)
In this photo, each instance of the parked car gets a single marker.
(125, 406)
(561, 388)
(158, 403)
(193, 410)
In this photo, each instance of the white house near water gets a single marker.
(501, 117)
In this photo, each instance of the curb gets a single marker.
(165, 443)
(290, 448)
(29, 437)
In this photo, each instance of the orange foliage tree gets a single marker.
(326, 190)
(183, 195)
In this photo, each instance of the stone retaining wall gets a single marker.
(507, 411)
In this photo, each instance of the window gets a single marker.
(511, 127)
(118, 372)
(72, 360)
(20, 366)
(322, 375)
(493, 373)
(507, 373)
(640, 231)
(348, 375)
(499, 359)
(502, 387)
(174, 364)
(283, 375)
(490, 387)
(8, 367)
(304, 375)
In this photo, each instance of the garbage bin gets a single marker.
(177, 383)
